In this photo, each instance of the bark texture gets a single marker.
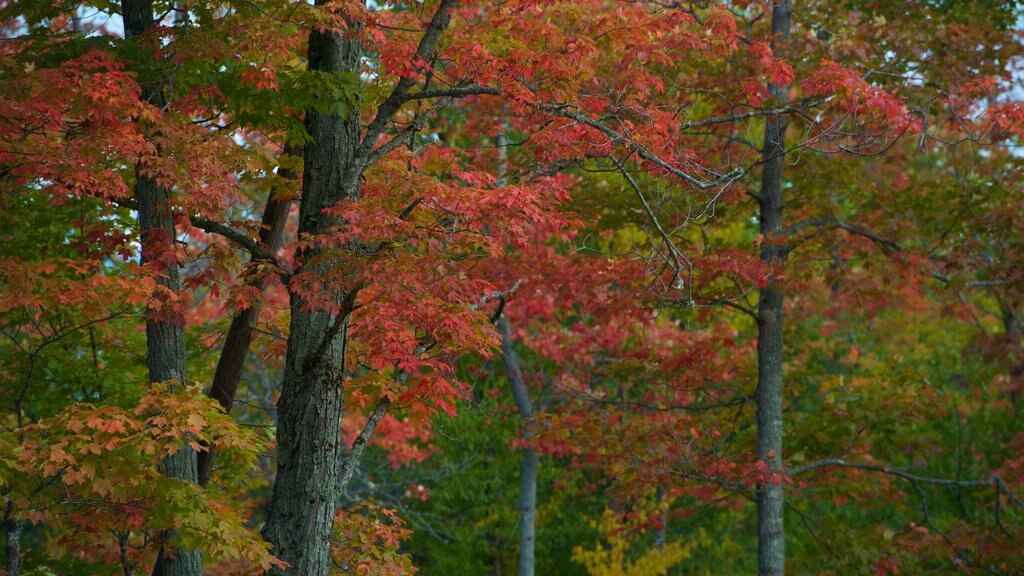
(300, 518)
(165, 329)
(771, 549)
(165, 353)
(530, 464)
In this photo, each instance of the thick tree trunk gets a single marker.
(531, 460)
(165, 330)
(300, 518)
(239, 337)
(771, 552)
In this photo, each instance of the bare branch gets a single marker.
(630, 404)
(731, 304)
(973, 283)
(677, 256)
(990, 482)
(753, 114)
(887, 245)
(617, 138)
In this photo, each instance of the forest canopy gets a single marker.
(444, 287)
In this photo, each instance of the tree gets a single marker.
(531, 459)
(664, 174)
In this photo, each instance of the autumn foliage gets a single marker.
(315, 216)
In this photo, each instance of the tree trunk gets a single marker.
(12, 548)
(300, 517)
(771, 552)
(239, 337)
(531, 460)
(165, 351)
(528, 468)
(127, 566)
(165, 330)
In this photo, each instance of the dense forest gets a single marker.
(580, 287)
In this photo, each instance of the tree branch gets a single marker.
(753, 114)
(640, 150)
(398, 96)
(973, 283)
(355, 454)
(455, 92)
(348, 305)
(520, 393)
(496, 295)
(677, 255)
(406, 134)
(245, 241)
(887, 245)
(250, 244)
(990, 482)
(730, 304)
(627, 404)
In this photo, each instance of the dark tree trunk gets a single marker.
(165, 352)
(771, 552)
(300, 518)
(12, 548)
(239, 337)
(165, 331)
(127, 565)
(530, 463)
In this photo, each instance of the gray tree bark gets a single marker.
(771, 552)
(165, 332)
(530, 463)
(300, 517)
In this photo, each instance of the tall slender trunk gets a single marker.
(239, 337)
(771, 550)
(165, 331)
(530, 463)
(165, 352)
(300, 517)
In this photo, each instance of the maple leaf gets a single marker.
(196, 422)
